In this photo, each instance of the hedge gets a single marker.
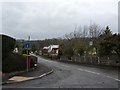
(8, 44)
(12, 62)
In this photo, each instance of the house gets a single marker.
(45, 50)
(53, 50)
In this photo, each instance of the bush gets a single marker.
(24, 51)
(15, 62)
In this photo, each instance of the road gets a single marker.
(72, 76)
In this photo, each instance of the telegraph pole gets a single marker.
(28, 56)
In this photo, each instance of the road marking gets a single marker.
(97, 74)
(117, 80)
(112, 78)
(88, 71)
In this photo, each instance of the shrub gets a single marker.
(14, 62)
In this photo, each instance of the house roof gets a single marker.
(45, 47)
(53, 46)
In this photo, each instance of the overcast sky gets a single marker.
(42, 19)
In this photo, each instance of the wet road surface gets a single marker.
(72, 76)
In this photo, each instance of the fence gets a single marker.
(95, 60)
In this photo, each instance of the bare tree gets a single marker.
(85, 31)
(79, 32)
(69, 36)
(94, 30)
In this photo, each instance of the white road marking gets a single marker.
(112, 78)
(88, 71)
(117, 80)
(97, 74)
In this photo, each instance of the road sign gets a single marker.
(27, 45)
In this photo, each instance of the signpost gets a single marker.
(27, 47)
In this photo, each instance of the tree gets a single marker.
(95, 30)
(106, 33)
(69, 52)
(115, 41)
(79, 47)
(105, 47)
(33, 48)
(85, 31)
(61, 50)
(103, 42)
(110, 45)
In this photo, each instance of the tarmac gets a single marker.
(22, 76)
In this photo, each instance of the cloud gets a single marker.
(53, 18)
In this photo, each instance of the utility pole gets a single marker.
(28, 38)
(28, 56)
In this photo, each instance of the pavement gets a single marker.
(22, 76)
